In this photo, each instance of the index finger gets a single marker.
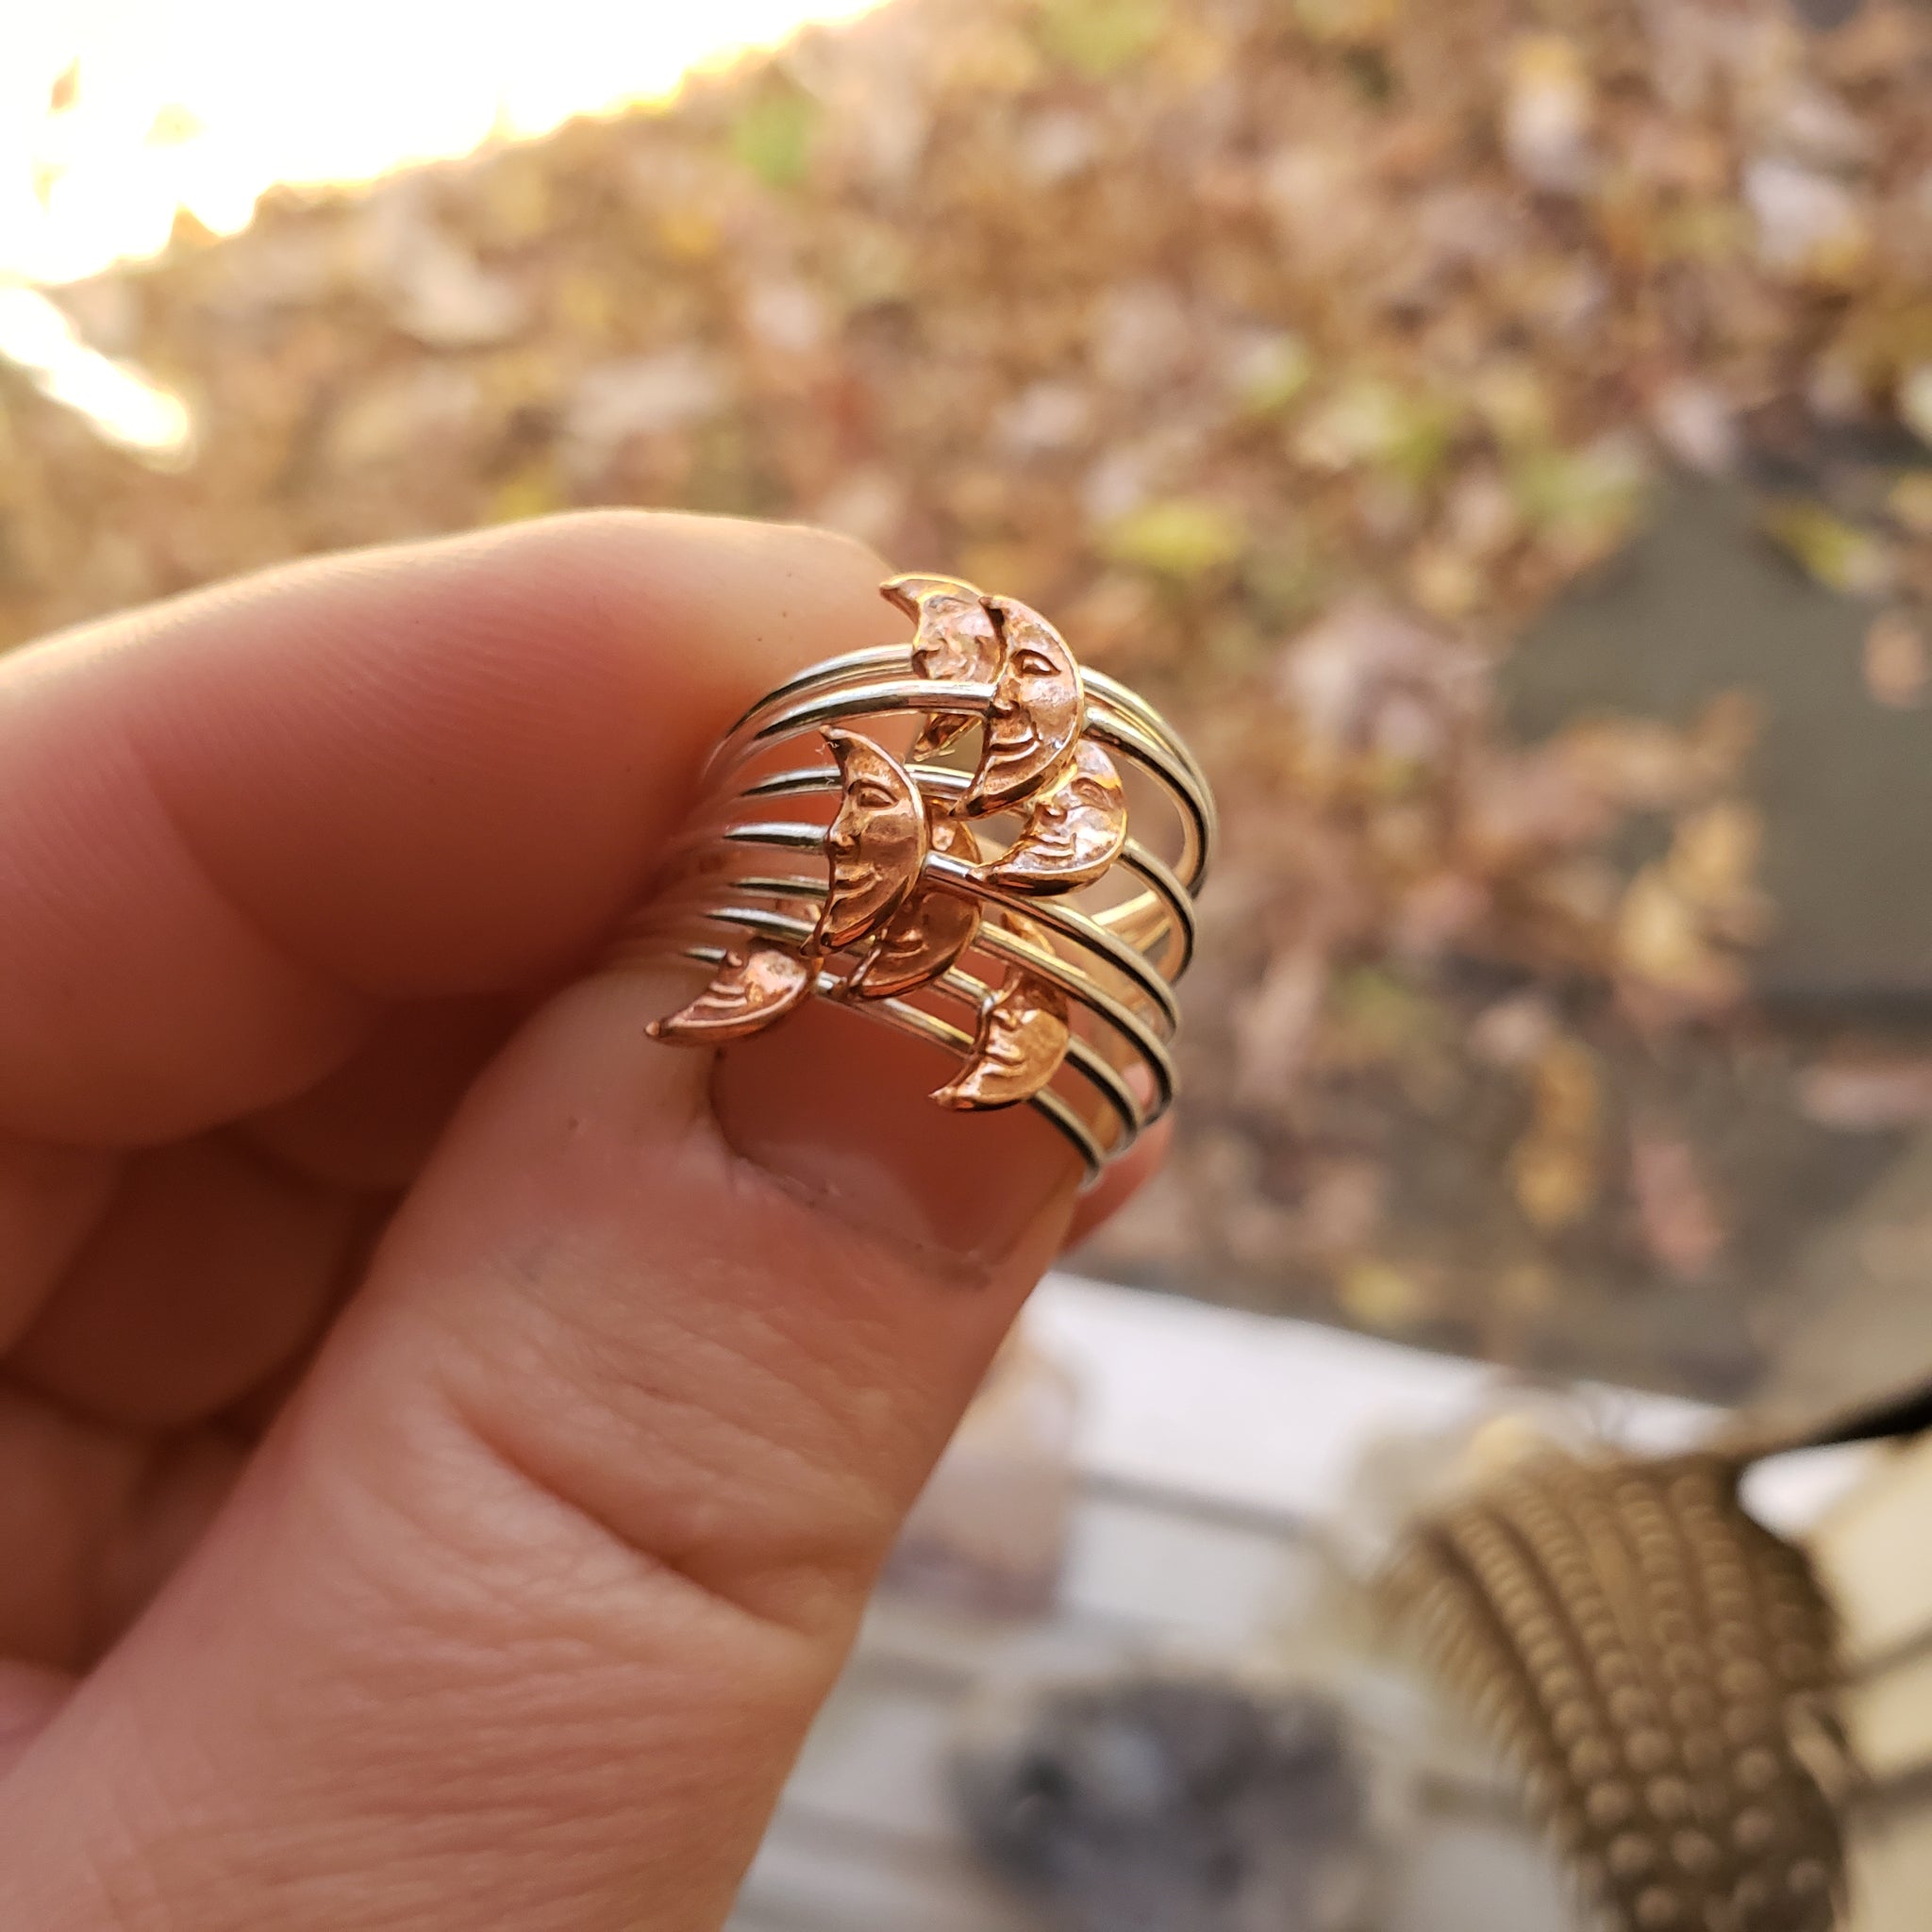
(235, 827)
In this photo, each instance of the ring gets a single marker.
(967, 837)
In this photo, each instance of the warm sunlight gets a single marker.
(117, 115)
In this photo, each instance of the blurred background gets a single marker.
(1499, 432)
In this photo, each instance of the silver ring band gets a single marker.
(1004, 865)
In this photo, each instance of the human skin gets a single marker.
(446, 1437)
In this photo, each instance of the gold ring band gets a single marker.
(999, 855)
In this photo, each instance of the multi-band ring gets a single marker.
(967, 837)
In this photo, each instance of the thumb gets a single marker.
(520, 1612)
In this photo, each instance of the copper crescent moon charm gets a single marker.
(1036, 712)
(954, 643)
(928, 932)
(982, 891)
(748, 991)
(1022, 1038)
(877, 843)
(1075, 831)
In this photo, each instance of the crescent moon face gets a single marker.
(928, 932)
(1022, 928)
(748, 991)
(1075, 830)
(956, 642)
(877, 843)
(1036, 710)
(1022, 1040)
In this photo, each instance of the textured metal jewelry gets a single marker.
(1661, 1671)
(966, 837)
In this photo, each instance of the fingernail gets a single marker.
(837, 1108)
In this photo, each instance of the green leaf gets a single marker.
(1375, 424)
(1101, 37)
(1274, 372)
(772, 135)
(1836, 554)
(1589, 495)
(1185, 538)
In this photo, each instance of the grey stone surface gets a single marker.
(1702, 603)
(1858, 1328)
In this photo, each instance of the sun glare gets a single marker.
(117, 115)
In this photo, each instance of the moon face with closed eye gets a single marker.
(1022, 1040)
(747, 992)
(1075, 830)
(877, 843)
(954, 643)
(928, 932)
(1036, 712)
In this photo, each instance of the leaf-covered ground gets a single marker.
(1294, 354)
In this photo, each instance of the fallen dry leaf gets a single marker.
(1867, 1093)
(1555, 1165)
(1682, 1229)
(1895, 663)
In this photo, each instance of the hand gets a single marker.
(445, 1438)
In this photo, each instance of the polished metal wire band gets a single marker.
(967, 838)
